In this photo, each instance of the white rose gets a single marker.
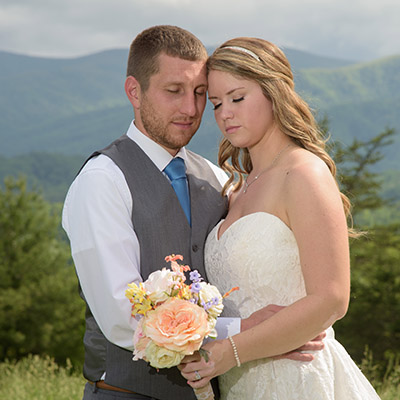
(207, 294)
(158, 285)
(160, 357)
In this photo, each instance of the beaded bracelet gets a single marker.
(235, 352)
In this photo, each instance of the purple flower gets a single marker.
(196, 287)
(195, 276)
(207, 305)
(214, 301)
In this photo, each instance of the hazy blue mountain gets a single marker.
(74, 106)
(304, 60)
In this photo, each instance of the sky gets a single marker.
(357, 30)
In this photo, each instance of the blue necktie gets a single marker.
(175, 171)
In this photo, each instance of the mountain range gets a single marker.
(77, 105)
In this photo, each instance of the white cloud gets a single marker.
(358, 29)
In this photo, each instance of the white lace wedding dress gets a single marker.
(259, 254)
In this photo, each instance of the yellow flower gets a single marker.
(185, 293)
(143, 307)
(137, 295)
(135, 292)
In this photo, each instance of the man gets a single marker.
(123, 216)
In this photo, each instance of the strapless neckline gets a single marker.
(244, 219)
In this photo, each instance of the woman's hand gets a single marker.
(220, 360)
(220, 356)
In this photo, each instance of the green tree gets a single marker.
(357, 180)
(373, 316)
(40, 310)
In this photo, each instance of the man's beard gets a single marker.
(157, 128)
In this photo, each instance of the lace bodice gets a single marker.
(259, 254)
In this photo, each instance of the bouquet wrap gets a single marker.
(205, 393)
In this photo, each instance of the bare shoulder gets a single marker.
(307, 170)
(312, 200)
(309, 182)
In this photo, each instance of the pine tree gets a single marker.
(40, 310)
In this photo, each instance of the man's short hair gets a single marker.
(170, 40)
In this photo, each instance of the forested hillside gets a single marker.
(55, 112)
(360, 100)
(73, 106)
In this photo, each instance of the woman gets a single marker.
(284, 240)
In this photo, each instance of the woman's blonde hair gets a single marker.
(263, 62)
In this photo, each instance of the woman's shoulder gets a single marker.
(308, 177)
(306, 167)
(311, 190)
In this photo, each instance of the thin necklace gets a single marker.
(247, 185)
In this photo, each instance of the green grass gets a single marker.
(40, 378)
(387, 387)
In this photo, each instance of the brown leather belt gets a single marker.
(103, 385)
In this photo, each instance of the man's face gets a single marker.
(170, 110)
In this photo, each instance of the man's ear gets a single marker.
(132, 90)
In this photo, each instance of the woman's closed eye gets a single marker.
(216, 106)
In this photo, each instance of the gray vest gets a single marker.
(162, 229)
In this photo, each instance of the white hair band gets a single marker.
(243, 50)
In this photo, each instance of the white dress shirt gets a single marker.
(104, 246)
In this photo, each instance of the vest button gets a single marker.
(195, 247)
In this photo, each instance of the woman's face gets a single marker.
(244, 115)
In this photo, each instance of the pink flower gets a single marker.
(140, 341)
(177, 325)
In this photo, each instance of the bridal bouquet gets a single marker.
(175, 317)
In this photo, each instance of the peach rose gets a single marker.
(177, 325)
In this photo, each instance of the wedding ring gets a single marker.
(197, 375)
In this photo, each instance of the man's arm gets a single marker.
(104, 247)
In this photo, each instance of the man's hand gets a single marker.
(297, 355)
